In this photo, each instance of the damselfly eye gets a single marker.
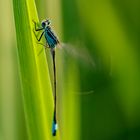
(48, 21)
(43, 24)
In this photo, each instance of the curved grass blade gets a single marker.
(35, 81)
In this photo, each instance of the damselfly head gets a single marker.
(48, 21)
(45, 23)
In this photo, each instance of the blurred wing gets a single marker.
(81, 54)
(84, 92)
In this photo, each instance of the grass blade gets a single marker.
(37, 92)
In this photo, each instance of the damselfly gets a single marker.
(51, 42)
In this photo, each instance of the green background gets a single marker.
(98, 76)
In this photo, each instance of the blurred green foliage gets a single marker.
(100, 102)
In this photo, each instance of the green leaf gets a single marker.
(35, 80)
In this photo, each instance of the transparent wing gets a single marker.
(82, 56)
(79, 53)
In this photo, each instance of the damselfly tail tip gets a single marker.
(54, 129)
